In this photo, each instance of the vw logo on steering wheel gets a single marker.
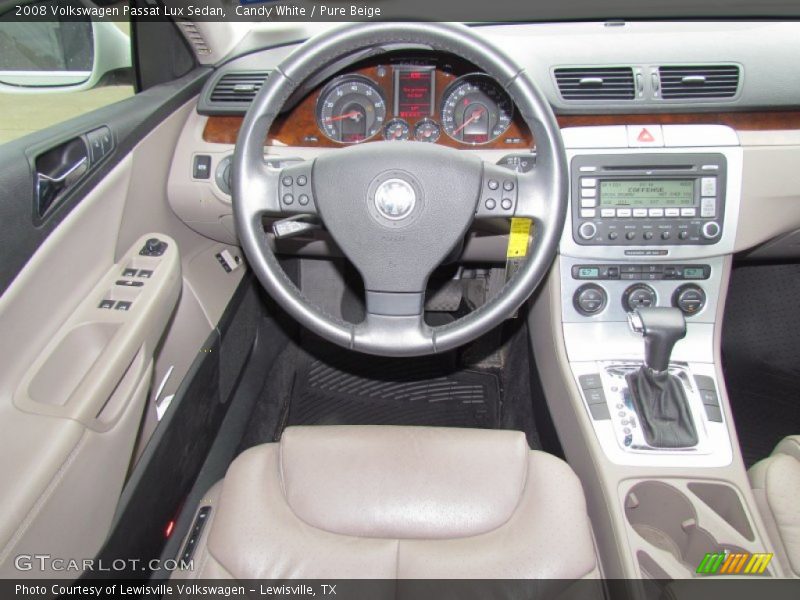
(395, 199)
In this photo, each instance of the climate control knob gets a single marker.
(639, 295)
(587, 230)
(711, 230)
(590, 299)
(690, 298)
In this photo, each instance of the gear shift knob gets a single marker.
(661, 328)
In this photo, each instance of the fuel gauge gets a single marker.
(396, 129)
(427, 130)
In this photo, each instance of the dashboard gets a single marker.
(763, 114)
(440, 99)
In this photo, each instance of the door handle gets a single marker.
(57, 170)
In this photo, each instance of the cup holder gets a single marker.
(664, 517)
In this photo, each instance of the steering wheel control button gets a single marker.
(590, 299)
(295, 179)
(639, 295)
(689, 298)
(499, 186)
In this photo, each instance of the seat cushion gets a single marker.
(397, 502)
(776, 484)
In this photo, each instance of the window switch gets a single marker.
(123, 305)
(144, 273)
(106, 304)
(202, 166)
(129, 283)
(129, 273)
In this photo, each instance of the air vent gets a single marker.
(238, 88)
(596, 83)
(699, 82)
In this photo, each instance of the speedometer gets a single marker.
(476, 110)
(351, 110)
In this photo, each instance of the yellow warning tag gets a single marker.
(518, 238)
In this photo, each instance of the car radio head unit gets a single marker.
(648, 200)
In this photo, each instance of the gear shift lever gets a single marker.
(661, 328)
(659, 397)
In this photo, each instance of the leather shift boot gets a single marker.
(663, 409)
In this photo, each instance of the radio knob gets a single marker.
(587, 230)
(711, 230)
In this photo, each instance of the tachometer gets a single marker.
(351, 109)
(476, 110)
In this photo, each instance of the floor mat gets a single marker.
(354, 389)
(765, 406)
(761, 356)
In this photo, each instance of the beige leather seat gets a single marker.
(776, 485)
(396, 502)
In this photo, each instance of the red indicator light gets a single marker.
(168, 530)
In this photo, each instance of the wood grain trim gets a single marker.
(223, 130)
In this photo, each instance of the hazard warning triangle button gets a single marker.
(645, 136)
(641, 136)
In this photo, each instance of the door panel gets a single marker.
(81, 319)
(74, 382)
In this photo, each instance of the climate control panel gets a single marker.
(613, 290)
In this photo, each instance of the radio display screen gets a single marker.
(647, 192)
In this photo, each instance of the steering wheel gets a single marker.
(397, 210)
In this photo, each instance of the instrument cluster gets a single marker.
(417, 102)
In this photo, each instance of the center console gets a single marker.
(648, 228)
(634, 308)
